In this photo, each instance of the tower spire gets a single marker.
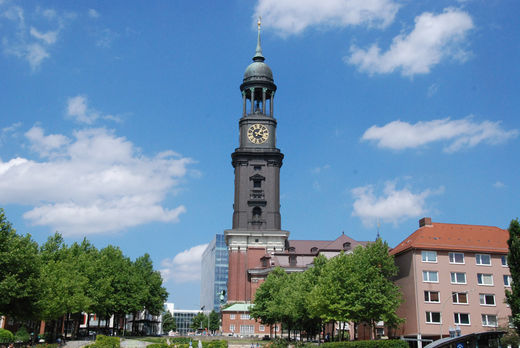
(258, 55)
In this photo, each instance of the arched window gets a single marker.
(346, 246)
(314, 250)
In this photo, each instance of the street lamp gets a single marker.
(202, 309)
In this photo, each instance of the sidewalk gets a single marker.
(125, 343)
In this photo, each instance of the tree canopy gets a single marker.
(513, 260)
(354, 287)
(55, 279)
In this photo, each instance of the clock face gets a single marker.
(257, 133)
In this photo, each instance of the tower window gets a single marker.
(257, 167)
(257, 183)
(257, 212)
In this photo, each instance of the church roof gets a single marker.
(305, 246)
(456, 237)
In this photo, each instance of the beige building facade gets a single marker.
(453, 278)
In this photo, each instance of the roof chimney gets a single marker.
(425, 221)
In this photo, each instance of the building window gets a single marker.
(244, 316)
(489, 320)
(456, 258)
(458, 278)
(460, 297)
(430, 276)
(507, 280)
(504, 260)
(276, 328)
(431, 296)
(232, 327)
(487, 299)
(247, 329)
(257, 167)
(483, 259)
(461, 318)
(484, 279)
(257, 212)
(261, 328)
(232, 316)
(433, 317)
(429, 256)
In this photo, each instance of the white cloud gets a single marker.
(25, 41)
(434, 38)
(392, 206)
(35, 54)
(294, 16)
(459, 134)
(93, 13)
(49, 37)
(318, 170)
(185, 266)
(432, 90)
(499, 185)
(45, 144)
(95, 182)
(77, 109)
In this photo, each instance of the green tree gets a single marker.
(513, 260)
(268, 303)
(214, 321)
(168, 322)
(333, 296)
(376, 296)
(154, 294)
(64, 285)
(200, 321)
(19, 272)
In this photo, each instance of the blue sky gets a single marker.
(117, 119)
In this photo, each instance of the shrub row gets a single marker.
(368, 344)
(184, 343)
(103, 341)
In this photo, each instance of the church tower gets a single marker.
(257, 161)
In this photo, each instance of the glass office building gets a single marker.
(183, 319)
(214, 274)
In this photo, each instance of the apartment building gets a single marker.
(452, 277)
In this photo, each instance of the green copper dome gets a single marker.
(258, 70)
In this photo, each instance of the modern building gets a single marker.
(183, 319)
(214, 274)
(452, 277)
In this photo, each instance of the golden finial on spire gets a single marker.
(258, 56)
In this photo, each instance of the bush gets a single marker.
(278, 343)
(157, 345)
(6, 336)
(22, 335)
(368, 344)
(103, 341)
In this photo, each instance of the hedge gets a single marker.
(184, 343)
(103, 341)
(6, 336)
(368, 344)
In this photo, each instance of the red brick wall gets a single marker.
(240, 287)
